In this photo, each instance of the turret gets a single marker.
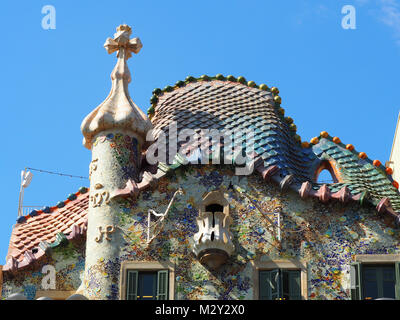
(115, 132)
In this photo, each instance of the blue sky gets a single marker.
(342, 81)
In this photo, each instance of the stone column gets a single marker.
(115, 158)
(115, 133)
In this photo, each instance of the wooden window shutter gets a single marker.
(132, 285)
(397, 277)
(355, 281)
(162, 285)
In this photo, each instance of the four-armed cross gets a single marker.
(121, 41)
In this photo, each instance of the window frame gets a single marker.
(143, 266)
(356, 285)
(283, 265)
(282, 281)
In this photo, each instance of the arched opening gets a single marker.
(325, 177)
(327, 173)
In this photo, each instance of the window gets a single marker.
(147, 280)
(147, 285)
(374, 281)
(280, 284)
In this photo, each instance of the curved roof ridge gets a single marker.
(157, 92)
(278, 100)
(362, 155)
(358, 172)
(260, 107)
(275, 147)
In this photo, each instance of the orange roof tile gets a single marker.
(71, 220)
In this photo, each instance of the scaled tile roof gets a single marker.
(225, 103)
(358, 173)
(41, 231)
(228, 105)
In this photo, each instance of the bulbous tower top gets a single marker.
(118, 111)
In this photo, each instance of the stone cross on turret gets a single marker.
(115, 132)
(122, 43)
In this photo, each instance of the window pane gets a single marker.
(147, 286)
(370, 290)
(370, 274)
(388, 285)
(265, 289)
(269, 284)
(389, 290)
(388, 274)
(275, 284)
(294, 285)
(379, 281)
(370, 282)
(285, 285)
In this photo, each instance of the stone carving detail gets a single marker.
(108, 230)
(118, 111)
(98, 186)
(93, 167)
(99, 198)
(213, 242)
(121, 40)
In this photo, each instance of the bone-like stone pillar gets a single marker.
(115, 132)
(115, 158)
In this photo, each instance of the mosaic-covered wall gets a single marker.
(69, 263)
(325, 236)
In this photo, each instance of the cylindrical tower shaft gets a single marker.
(115, 133)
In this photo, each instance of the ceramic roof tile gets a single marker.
(227, 105)
(27, 235)
(231, 105)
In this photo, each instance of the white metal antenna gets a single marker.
(26, 178)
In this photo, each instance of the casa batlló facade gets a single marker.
(203, 223)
